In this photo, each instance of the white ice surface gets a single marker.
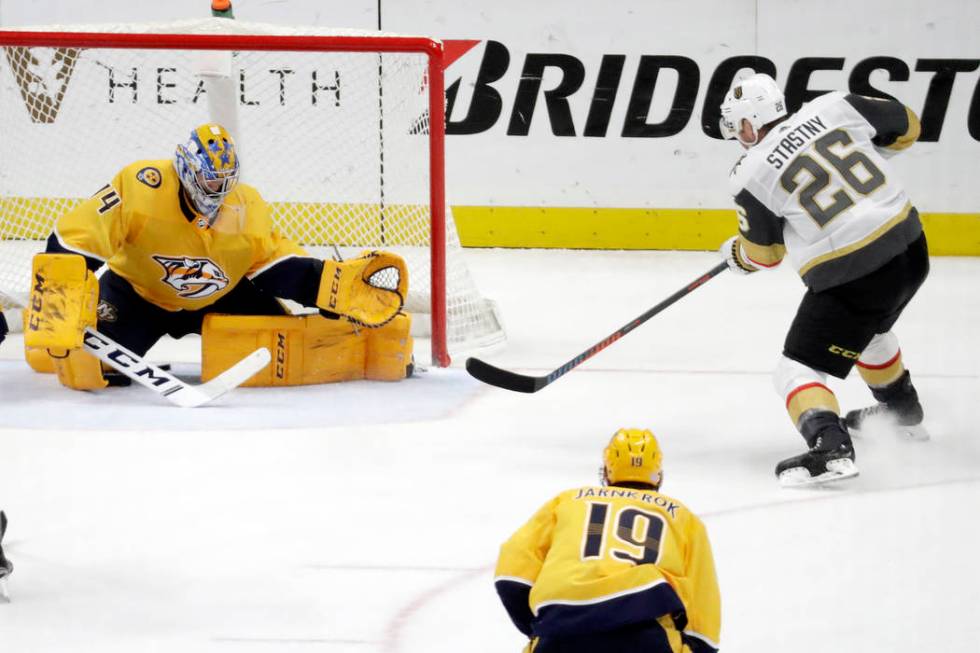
(366, 517)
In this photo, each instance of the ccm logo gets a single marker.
(846, 353)
(124, 360)
(280, 356)
(37, 302)
(334, 288)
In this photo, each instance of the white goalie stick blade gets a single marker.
(836, 470)
(169, 386)
(4, 593)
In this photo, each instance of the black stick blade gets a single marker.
(503, 378)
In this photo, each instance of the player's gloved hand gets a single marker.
(731, 251)
(368, 290)
(3, 326)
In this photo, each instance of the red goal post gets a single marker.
(380, 96)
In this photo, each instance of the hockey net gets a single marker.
(341, 131)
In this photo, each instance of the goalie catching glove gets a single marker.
(368, 290)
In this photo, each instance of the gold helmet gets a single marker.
(632, 455)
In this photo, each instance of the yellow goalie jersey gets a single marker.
(598, 558)
(143, 227)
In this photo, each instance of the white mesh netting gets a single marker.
(336, 141)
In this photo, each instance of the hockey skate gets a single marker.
(830, 457)
(898, 409)
(6, 567)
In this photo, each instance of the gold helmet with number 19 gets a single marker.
(632, 456)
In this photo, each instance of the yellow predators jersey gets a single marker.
(142, 225)
(597, 558)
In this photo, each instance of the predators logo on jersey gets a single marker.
(192, 277)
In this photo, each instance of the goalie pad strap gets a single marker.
(307, 349)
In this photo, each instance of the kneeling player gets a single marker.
(618, 569)
(182, 239)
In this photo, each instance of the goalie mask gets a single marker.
(756, 99)
(632, 455)
(208, 167)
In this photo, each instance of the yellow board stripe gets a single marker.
(312, 223)
(949, 234)
(593, 228)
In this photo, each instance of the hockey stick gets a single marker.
(522, 383)
(159, 380)
(167, 385)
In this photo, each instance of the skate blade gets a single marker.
(837, 470)
(4, 594)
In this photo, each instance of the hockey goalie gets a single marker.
(187, 248)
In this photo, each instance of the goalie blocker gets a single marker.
(308, 349)
(64, 295)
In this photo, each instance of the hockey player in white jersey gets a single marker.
(815, 186)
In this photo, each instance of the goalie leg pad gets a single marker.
(305, 350)
(389, 350)
(79, 370)
(64, 295)
(38, 360)
(369, 290)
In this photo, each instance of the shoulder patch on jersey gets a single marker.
(740, 173)
(734, 170)
(150, 176)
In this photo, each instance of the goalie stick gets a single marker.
(166, 384)
(523, 383)
(159, 380)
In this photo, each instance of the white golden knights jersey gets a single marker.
(818, 189)
(143, 227)
(598, 558)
